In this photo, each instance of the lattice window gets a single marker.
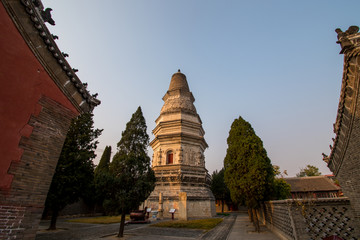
(328, 221)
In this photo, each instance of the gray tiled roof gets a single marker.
(311, 184)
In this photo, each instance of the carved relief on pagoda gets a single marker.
(181, 155)
(184, 156)
(200, 159)
(191, 157)
(177, 102)
(157, 158)
(168, 156)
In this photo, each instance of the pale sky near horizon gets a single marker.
(275, 63)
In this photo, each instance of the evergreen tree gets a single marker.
(104, 161)
(309, 171)
(219, 189)
(102, 176)
(248, 170)
(74, 173)
(132, 178)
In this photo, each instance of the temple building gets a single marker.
(40, 94)
(182, 181)
(344, 157)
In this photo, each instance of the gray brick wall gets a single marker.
(344, 159)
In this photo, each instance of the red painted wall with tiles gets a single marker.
(23, 82)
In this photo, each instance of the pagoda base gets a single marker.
(189, 197)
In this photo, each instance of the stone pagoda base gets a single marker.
(183, 188)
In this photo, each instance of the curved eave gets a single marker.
(26, 17)
(181, 111)
(180, 123)
(182, 136)
(182, 168)
(346, 109)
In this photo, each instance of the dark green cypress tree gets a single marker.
(248, 170)
(74, 173)
(102, 176)
(219, 189)
(132, 178)
(104, 161)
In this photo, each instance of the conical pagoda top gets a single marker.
(178, 81)
(178, 97)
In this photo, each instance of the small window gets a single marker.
(170, 158)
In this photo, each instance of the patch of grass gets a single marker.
(205, 224)
(100, 220)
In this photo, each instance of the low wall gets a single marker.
(304, 219)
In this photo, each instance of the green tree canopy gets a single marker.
(74, 172)
(132, 178)
(248, 170)
(309, 171)
(218, 187)
(281, 189)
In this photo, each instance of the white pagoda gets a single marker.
(182, 181)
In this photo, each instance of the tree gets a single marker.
(309, 171)
(132, 178)
(278, 173)
(74, 172)
(102, 176)
(219, 188)
(281, 189)
(248, 170)
(104, 161)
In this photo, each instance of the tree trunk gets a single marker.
(256, 220)
(122, 224)
(54, 216)
(222, 205)
(250, 213)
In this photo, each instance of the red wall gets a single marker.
(23, 81)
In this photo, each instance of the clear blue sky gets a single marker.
(275, 63)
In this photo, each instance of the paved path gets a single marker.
(236, 226)
(221, 231)
(244, 229)
(75, 231)
(81, 231)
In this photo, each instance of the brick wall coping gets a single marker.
(315, 200)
